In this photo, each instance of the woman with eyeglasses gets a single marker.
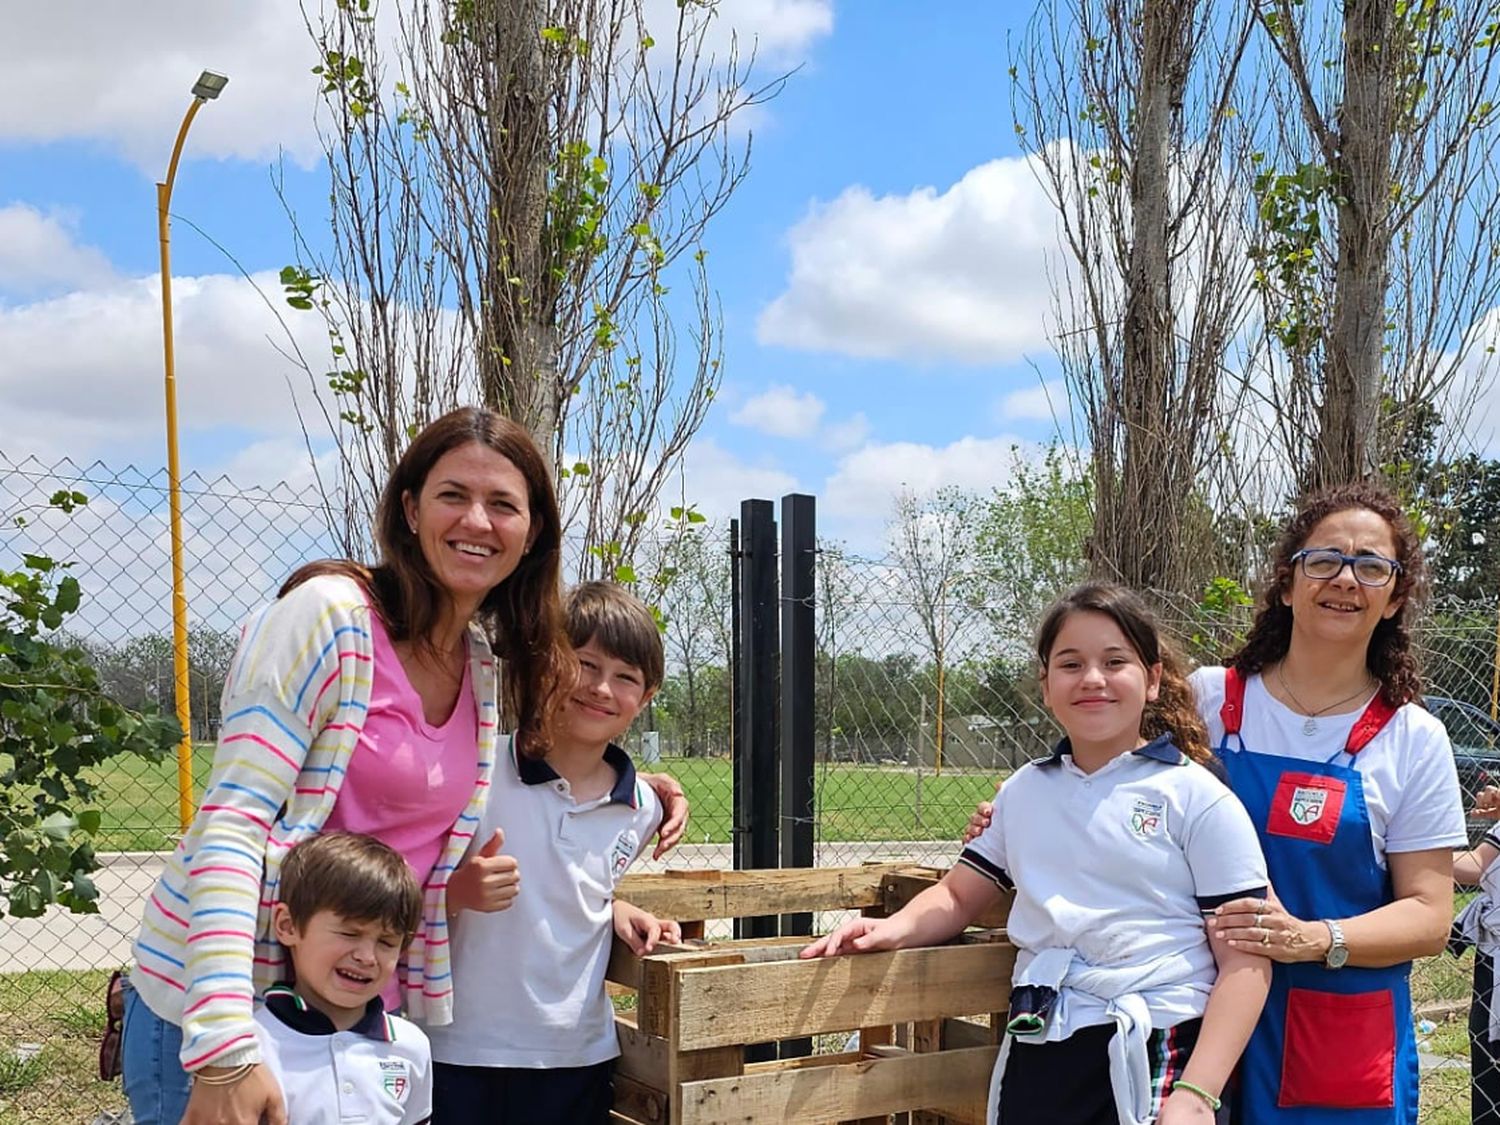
(1352, 789)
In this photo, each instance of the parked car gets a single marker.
(1476, 751)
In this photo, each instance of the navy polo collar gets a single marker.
(536, 771)
(283, 1002)
(1159, 749)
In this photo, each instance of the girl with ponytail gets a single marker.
(1124, 1008)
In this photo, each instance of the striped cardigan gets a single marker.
(295, 701)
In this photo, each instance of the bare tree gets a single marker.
(1126, 107)
(929, 537)
(519, 187)
(693, 578)
(1376, 226)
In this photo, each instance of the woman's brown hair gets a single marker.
(1389, 655)
(521, 617)
(1173, 711)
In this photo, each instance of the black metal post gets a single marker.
(757, 703)
(757, 695)
(740, 798)
(798, 653)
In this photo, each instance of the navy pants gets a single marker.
(487, 1095)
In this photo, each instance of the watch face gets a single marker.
(1337, 956)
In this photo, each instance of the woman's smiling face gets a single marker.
(1340, 608)
(472, 520)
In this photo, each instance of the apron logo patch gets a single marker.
(1307, 804)
(395, 1078)
(1146, 816)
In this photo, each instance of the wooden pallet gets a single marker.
(698, 1005)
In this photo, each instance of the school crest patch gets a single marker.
(627, 843)
(395, 1078)
(1307, 804)
(1146, 816)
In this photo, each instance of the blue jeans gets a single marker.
(155, 1082)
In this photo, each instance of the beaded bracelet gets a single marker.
(1213, 1102)
(239, 1073)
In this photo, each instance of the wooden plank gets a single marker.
(639, 1102)
(966, 1033)
(785, 999)
(869, 1088)
(782, 1000)
(643, 1057)
(926, 1038)
(803, 1062)
(742, 894)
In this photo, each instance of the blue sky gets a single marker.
(881, 270)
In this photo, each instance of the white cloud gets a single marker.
(855, 501)
(84, 370)
(1044, 402)
(848, 434)
(781, 412)
(716, 480)
(957, 275)
(120, 74)
(39, 253)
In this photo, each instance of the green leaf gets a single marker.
(624, 574)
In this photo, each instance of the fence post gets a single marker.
(798, 651)
(756, 698)
(739, 796)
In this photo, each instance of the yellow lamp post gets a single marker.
(208, 87)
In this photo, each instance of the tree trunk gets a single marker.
(517, 360)
(1350, 413)
(1147, 503)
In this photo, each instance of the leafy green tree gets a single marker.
(56, 723)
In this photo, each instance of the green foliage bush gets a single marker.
(55, 723)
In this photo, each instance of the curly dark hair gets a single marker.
(521, 617)
(1174, 711)
(1389, 656)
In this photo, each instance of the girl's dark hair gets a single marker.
(521, 617)
(1389, 655)
(1174, 711)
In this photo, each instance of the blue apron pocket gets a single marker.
(1340, 1050)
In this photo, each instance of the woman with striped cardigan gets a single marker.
(364, 699)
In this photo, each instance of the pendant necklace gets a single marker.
(1310, 719)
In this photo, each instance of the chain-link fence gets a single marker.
(925, 697)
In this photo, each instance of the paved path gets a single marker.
(60, 940)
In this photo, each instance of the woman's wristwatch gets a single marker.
(1338, 953)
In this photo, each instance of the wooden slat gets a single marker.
(639, 1102)
(643, 1057)
(820, 1094)
(738, 1004)
(802, 1062)
(744, 894)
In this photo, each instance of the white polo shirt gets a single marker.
(379, 1072)
(529, 981)
(1119, 864)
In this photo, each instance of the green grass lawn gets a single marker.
(64, 1013)
(854, 803)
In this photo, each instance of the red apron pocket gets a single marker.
(1340, 1050)
(1307, 806)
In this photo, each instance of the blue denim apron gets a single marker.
(1331, 1045)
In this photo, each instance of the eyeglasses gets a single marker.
(1323, 563)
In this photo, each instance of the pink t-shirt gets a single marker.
(408, 780)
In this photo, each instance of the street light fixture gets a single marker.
(208, 87)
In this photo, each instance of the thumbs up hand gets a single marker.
(485, 880)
